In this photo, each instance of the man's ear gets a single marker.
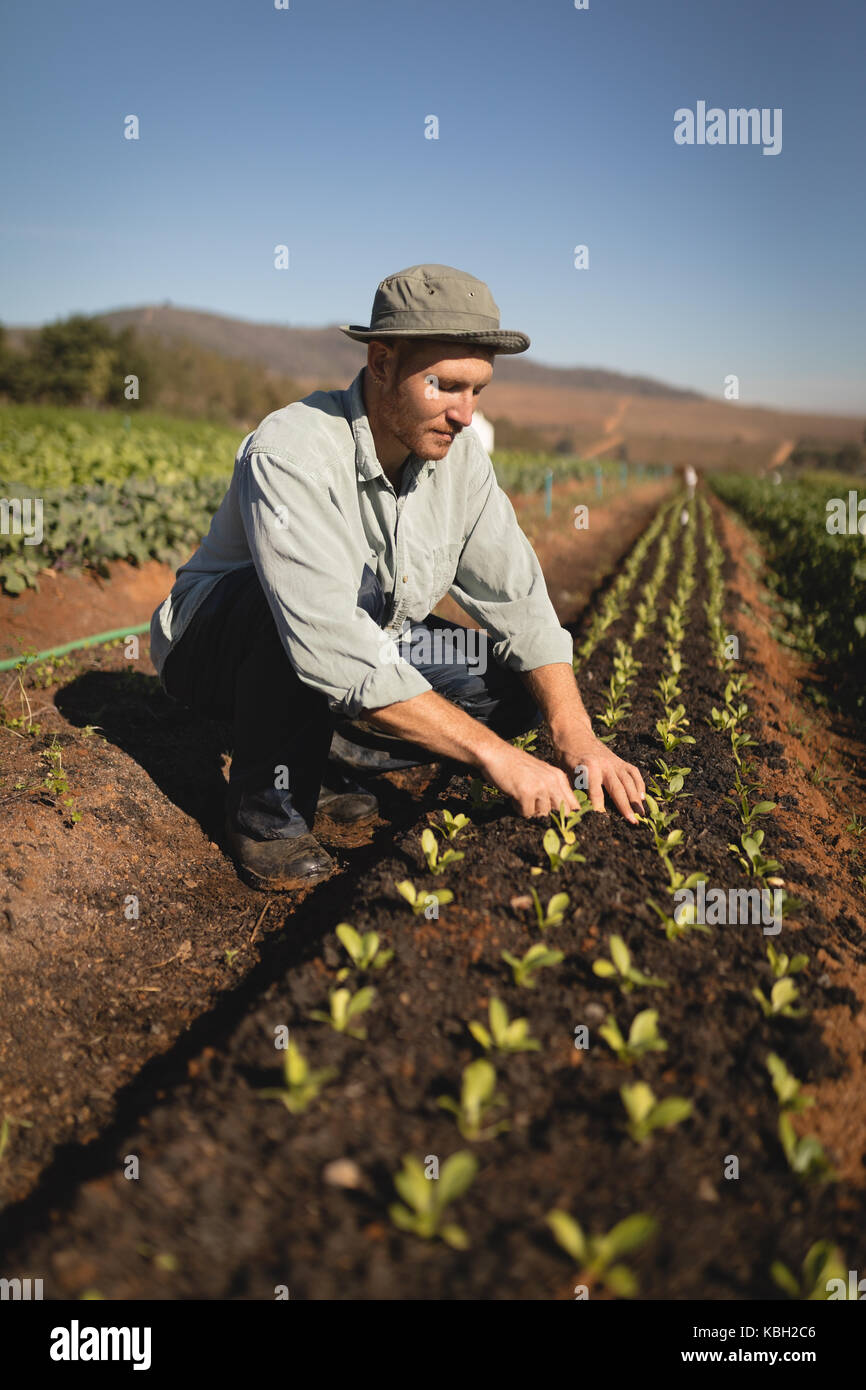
(382, 358)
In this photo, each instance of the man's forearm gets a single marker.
(441, 726)
(436, 723)
(554, 689)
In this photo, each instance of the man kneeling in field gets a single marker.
(350, 514)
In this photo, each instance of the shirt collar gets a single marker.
(367, 464)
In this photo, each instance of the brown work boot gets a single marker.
(278, 866)
(345, 801)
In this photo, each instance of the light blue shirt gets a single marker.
(309, 505)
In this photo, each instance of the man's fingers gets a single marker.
(634, 779)
(595, 788)
(567, 794)
(619, 795)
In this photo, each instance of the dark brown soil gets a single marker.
(109, 990)
(235, 1195)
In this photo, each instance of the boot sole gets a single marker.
(280, 885)
(341, 820)
(289, 883)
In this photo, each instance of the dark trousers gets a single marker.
(231, 665)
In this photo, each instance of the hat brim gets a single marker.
(497, 339)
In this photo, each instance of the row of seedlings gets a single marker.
(823, 1264)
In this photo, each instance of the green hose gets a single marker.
(100, 637)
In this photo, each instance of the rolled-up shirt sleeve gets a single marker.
(302, 551)
(499, 582)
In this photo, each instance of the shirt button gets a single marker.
(405, 579)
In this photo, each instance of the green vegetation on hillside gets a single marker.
(81, 361)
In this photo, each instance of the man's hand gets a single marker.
(604, 772)
(555, 689)
(535, 787)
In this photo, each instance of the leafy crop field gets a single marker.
(520, 470)
(117, 487)
(111, 488)
(820, 574)
(609, 1044)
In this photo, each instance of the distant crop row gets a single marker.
(523, 470)
(819, 574)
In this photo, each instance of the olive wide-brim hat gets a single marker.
(437, 301)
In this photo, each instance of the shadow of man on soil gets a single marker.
(182, 753)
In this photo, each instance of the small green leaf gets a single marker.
(456, 1175)
(568, 1234)
(620, 954)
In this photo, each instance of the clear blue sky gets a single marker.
(306, 127)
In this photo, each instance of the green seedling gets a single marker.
(746, 781)
(427, 1197)
(478, 1098)
(678, 881)
(752, 858)
(748, 814)
(452, 825)
(302, 1085)
(559, 854)
(781, 1001)
(421, 901)
(480, 792)
(681, 923)
(786, 1085)
(658, 821)
(782, 965)
(594, 1255)
(668, 689)
(565, 820)
(4, 1131)
(735, 710)
(537, 958)
(625, 667)
(346, 1006)
(526, 741)
(620, 968)
(856, 825)
(56, 781)
(363, 951)
(823, 1263)
(437, 863)
(23, 723)
(818, 777)
(617, 707)
(230, 954)
(805, 1155)
(646, 1114)
(739, 741)
(643, 1036)
(670, 781)
(554, 914)
(670, 728)
(736, 686)
(504, 1035)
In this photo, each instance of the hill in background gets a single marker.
(193, 362)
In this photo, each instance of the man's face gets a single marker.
(430, 394)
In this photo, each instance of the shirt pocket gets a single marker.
(445, 559)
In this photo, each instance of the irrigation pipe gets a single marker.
(96, 641)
